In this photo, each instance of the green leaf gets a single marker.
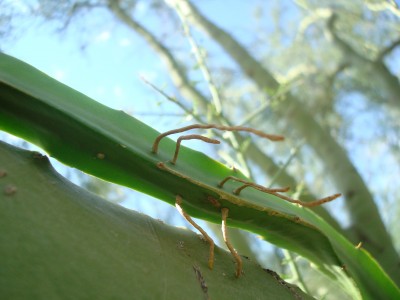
(116, 147)
(58, 241)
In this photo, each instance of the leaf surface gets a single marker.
(116, 147)
(58, 241)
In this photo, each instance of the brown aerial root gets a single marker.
(276, 192)
(214, 126)
(260, 188)
(253, 185)
(191, 137)
(239, 263)
(178, 202)
(308, 204)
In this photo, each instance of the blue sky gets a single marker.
(109, 64)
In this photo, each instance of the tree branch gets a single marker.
(388, 50)
(375, 69)
(176, 72)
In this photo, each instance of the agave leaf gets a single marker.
(116, 147)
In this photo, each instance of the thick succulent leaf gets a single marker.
(58, 241)
(116, 147)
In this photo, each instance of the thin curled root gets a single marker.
(178, 202)
(271, 137)
(276, 192)
(253, 185)
(191, 137)
(309, 204)
(238, 259)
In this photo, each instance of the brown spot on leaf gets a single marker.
(181, 245)
(100, 155)
(202, 282)
(40, 157)
(350, 194)
(9, 190)
(284, 283)
(214, 202)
